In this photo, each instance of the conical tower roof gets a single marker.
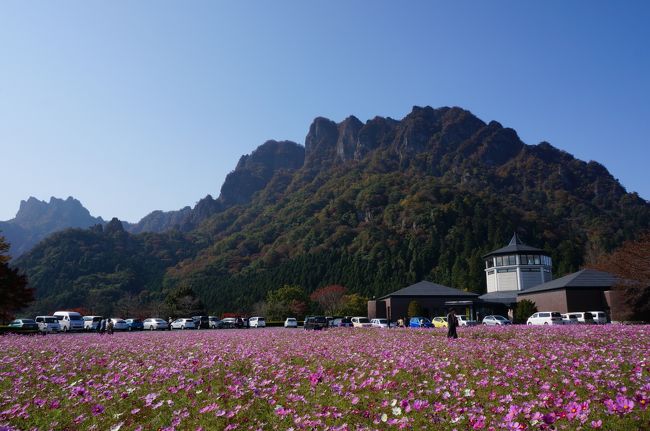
(516, 245)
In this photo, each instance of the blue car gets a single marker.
(134, 325)
(420, 322)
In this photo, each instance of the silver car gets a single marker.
(183, 324)
(48, 324)
(119, 324)
(496, 320)
(154, 323)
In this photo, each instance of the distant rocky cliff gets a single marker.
(252, 174)
(37, 219)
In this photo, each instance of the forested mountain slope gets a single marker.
(377, 205)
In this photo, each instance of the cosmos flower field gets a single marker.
(513, 378)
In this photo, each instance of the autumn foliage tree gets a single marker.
(631, 264)
(287, 301)
(329, 298)
(14, 292)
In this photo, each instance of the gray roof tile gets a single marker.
(426, 288)
(585, 278)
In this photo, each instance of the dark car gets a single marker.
(24, 324)
(341, 322)
(134, 324)
(232, 322)
(201, 322)
(315, 323)
(215, 323)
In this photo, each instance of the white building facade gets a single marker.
(516, 267)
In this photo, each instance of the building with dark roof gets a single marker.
(586, 290)
(434, 299)
(512, 269)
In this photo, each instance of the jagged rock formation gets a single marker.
(373, 206)
(37, 219)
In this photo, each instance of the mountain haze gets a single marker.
(373, 206)
(37, 219)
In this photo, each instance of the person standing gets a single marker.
(109, 327)
(452, 324)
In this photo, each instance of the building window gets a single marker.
(489, 263)
(490, 272)
(499, 260)
(512, 259)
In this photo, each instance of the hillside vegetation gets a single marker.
(372, 206)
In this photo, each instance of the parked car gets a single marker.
(600, 317)
(315, 323)
(70, 320)
(201, 322)
(257, 322)
(47, 324)
(183, 323)
(91, 322)
(360, 322)
(214, 322)
(154, 323)
(464, 321)
(584, 317)
(290, 322)
(134, 324)
(439, 322)
(233, 322)
(545, 318)
(119, 324)
(341, 322)
(380, 323)
(496, 320)
(23, 324)
(569, 319)
(420, 322)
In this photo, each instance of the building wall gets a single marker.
(530, 279)
(587, 300)
(553, 300)
(376, 309)
(569, 300)
(491, 280)
(507, 281)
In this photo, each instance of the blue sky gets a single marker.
(136, 106)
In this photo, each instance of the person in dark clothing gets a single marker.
(452, 323)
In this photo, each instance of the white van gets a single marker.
(47, 324)
(70, 320)
(92, 322)
(600, 317)
(257, 322)
(569, 319)
(545, 318)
